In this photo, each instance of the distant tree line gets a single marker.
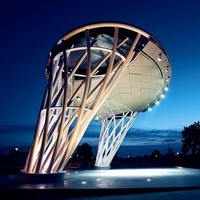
(191, 139)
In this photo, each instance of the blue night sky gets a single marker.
(29, 29)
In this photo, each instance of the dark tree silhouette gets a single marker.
(156, 153)
(191, 139)
(84, 153)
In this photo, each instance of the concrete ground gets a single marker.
(152, 183)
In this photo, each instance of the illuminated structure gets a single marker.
(142, 84)
(97, 71)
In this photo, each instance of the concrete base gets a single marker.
(57, 177)
(101, 167)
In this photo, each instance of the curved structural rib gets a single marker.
(82, 70)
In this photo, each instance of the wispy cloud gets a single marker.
(16, 129)
(139, 137)
(23, 134)
(151, 137)
(16, 135)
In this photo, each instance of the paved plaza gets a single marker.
(151, 183)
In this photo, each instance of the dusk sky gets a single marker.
(29, 29)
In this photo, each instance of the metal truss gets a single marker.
(112, 134)
(73, 97)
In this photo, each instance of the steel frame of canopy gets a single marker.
(60, 124)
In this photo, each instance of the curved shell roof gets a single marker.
(146, 76)
(142, 84)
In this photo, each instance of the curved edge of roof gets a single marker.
(112, 23)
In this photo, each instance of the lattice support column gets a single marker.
(112, 134)
(77, 87)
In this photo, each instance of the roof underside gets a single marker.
(140, 86)
(142, 82)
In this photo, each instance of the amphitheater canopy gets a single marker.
(141, 85)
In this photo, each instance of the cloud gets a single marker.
(23, 134)
(138, 136)
(141, 141)
(151, 137)
(16, 129)
(16, 135)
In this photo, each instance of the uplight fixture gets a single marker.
(157, 102)
(96, 118)
(160, 57)
(78, 98)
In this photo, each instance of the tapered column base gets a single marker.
(57, 177)
(102, 167)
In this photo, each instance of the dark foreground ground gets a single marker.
(138, 183)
